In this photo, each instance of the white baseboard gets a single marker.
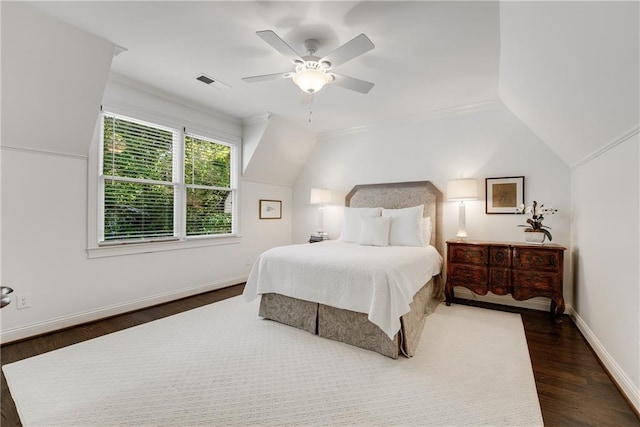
(39, 328)
(630, 390)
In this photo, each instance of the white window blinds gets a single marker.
(146, 196)
(137, 177)
(207, 174)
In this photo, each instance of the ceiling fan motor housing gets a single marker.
(312, 63)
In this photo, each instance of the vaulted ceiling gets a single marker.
(427, 55)
(569, 70)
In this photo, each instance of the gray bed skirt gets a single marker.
(355, 328)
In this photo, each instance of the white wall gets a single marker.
(606, 235)
(46, 199)
(280, 153)
(569, 71)
(252, 130)
(44, 239)
(477, 141)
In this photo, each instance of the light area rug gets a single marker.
(222, 365)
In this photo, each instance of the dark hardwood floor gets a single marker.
(573, 388)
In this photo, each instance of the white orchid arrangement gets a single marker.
(537, 215)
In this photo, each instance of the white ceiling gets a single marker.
(571, 72)
(428, 55)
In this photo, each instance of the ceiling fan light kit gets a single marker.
(312, 73)
(311, 80)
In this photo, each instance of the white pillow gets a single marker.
(426, 231)
(406, 226)
(352, 222)
(375, 231)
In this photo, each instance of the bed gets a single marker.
(372, 297)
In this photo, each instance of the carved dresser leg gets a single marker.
(448, 294)
(557, 309)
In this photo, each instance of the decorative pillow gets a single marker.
(406, 226)
(375, 231)
(426, 231)
(352, 223)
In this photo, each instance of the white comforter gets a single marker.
(379, 281)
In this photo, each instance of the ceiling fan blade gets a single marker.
(355, 47)
(264, 77)
(280, 45)
(352, 83)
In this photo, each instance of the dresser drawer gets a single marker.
(500, 280)
(540, 282)
(500, 257)
(473, 277)
(468, 254)
(536, 259)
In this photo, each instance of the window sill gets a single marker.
(151, 247)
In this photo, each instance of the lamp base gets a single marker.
(462, 232)
(461, 236)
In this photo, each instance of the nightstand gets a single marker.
(522, 270)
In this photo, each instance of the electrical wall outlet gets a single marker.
(23, 301)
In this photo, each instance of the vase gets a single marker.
(534, 236)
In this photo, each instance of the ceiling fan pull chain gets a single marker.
(310, 106)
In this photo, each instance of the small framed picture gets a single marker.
(504, 194)
(270, 209)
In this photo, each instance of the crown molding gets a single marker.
(486, 105)
(606, 147)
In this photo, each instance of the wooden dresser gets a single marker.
(522, 270)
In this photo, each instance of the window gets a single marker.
(158, 183)
(207, 174)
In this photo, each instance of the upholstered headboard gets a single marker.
(403, 195)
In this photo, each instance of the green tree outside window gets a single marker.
(141, 188)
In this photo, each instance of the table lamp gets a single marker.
(461, 190)
(320, 196)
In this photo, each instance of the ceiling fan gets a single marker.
(311, 72)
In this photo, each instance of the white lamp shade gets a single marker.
(462, 189)
(320, 196)
(311, 80)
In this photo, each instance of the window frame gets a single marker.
(233, 186)
(102, 178)
(98, 247)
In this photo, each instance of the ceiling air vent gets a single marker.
(205, 79)
(210, 81)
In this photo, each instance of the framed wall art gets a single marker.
(270, 209)
(504, 194)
